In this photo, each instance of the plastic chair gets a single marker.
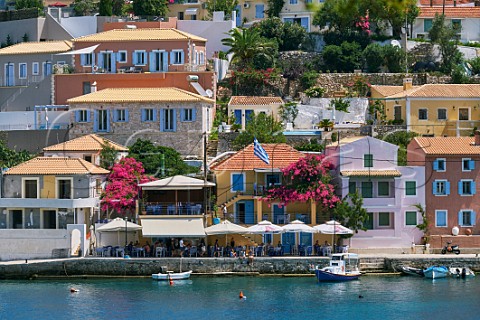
(259, 251)
(193, 251)
(309, 250)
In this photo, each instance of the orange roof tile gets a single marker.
(143, 34)
(427, 3)
(56, 166)
(281, 155)
(448, 145)
(90, 142)
(442, 91)
(389, 90)
(252, 101)
(450, 12)
(371, 173)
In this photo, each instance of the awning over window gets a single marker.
(191, 11)
(79, 51)
(187, 227)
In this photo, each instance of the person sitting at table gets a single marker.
(279, 244)
(325, 248)
(233, 254)
(316, 248)
(146, 247)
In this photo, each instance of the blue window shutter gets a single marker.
(460, 189)
(435, 165)
(165, 61)
(88, 116)
(434, 187)
(151, 61)
(174, 120)
(83, 59)
(144, 114)
(194, 114)
(447, 187)
(259, 11)
(473, 187)
(126, 115)
(154, 114)
(471, 164)
(95, 121)
(182, 114)
(100, 60)
(113, 61)
(134, 58)
(77, 116)
(172, 57)
(115, 115)
(108, 120)
(182, 57)
(474, 219)
(238, 116)
(162, 117)
(460, 218)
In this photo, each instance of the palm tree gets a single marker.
(246, 44)
(326, 124)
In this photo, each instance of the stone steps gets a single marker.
(372, 265)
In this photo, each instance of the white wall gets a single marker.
(25, 120)
(80, 26)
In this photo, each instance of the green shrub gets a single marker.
(308, 79)
(315, 92)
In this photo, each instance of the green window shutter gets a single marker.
(410, 218)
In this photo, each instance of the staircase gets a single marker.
(372, 265)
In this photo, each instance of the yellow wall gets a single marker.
(174, 9)
(48, 187)
(269, 110)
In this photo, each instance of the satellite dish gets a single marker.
(209, 93)
(395, 43)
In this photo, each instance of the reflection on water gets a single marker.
(370, 297)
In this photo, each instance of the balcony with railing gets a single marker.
(172, 208)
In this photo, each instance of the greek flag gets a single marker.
(260, 152)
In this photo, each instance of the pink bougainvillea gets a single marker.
(307, 179)
(364, 24)
(122, 185)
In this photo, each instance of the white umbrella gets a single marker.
(298, 226)
(332, 227)
(265, 226)
(118, 224)
(225, 227)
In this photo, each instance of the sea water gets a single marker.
(371, 297)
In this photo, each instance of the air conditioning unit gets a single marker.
(246, 5)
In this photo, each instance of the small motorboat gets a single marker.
(170, 275)
(343, 267)
(435, 272)
(461, 272)
(412, 271)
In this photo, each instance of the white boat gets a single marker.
(435, 272)
(412, 271)
(461, 272)
(343, 267)
(170, 275)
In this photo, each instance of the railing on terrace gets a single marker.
(172, 208)
(280, 219)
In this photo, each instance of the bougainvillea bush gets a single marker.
(307, 179)
(122, 186)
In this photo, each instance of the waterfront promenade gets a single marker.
(286, 265)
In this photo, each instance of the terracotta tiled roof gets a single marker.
(281, 155)
(448, 145)
(90, 142)
(37, 47)
(371, 173)
(389, 90)
(427, 3)
(143, 34)
(56, 166)
(442, 91)
(254, 101)
(450, 12)
(139, 95)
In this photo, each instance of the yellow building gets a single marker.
(241, 107)
(432, 109)
(242, 179)
(187, 9)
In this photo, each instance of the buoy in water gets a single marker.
(241, 296)
(73, 290)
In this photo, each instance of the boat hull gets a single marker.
(435, 272)
(171, 276)
(325, 276)
(461, 272)
(412, 271)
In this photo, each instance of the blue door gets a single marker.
(238, 116)
(249, 212)
(47, 68)
(289, 238)
(305, 239)
(238, 9)
(9, 75)
(278, 214)
(248, 116)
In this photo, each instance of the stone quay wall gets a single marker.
(144, 267)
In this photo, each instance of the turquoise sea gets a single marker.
(371, 297)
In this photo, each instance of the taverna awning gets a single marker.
(79, 51)
(166, 227)
(177, 183)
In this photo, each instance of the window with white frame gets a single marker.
(202, 57)
(466, 218)
(410, 188)
(441, 114)
(384, 220)
(441, 187)
(441, 218)
(98, 186)
(468, 164)
(86, 59)
(83, 116)
(140, 58)
(64, 188)
(168, 119)
(466, 187)
(148, 115)
(22, 70)
(440, 165)
(121, 115)
(35, 68)
(422, 114)
(122, 56)
(383, 189)
(411, 218)
(187, 114)
(177, 57)
(30, 188)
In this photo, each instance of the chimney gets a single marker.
(407, 84)
(477, 138)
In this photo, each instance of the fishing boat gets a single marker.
(461, 272)
(435, 272)
(343, 267)
(170, 275)
(412, 271)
